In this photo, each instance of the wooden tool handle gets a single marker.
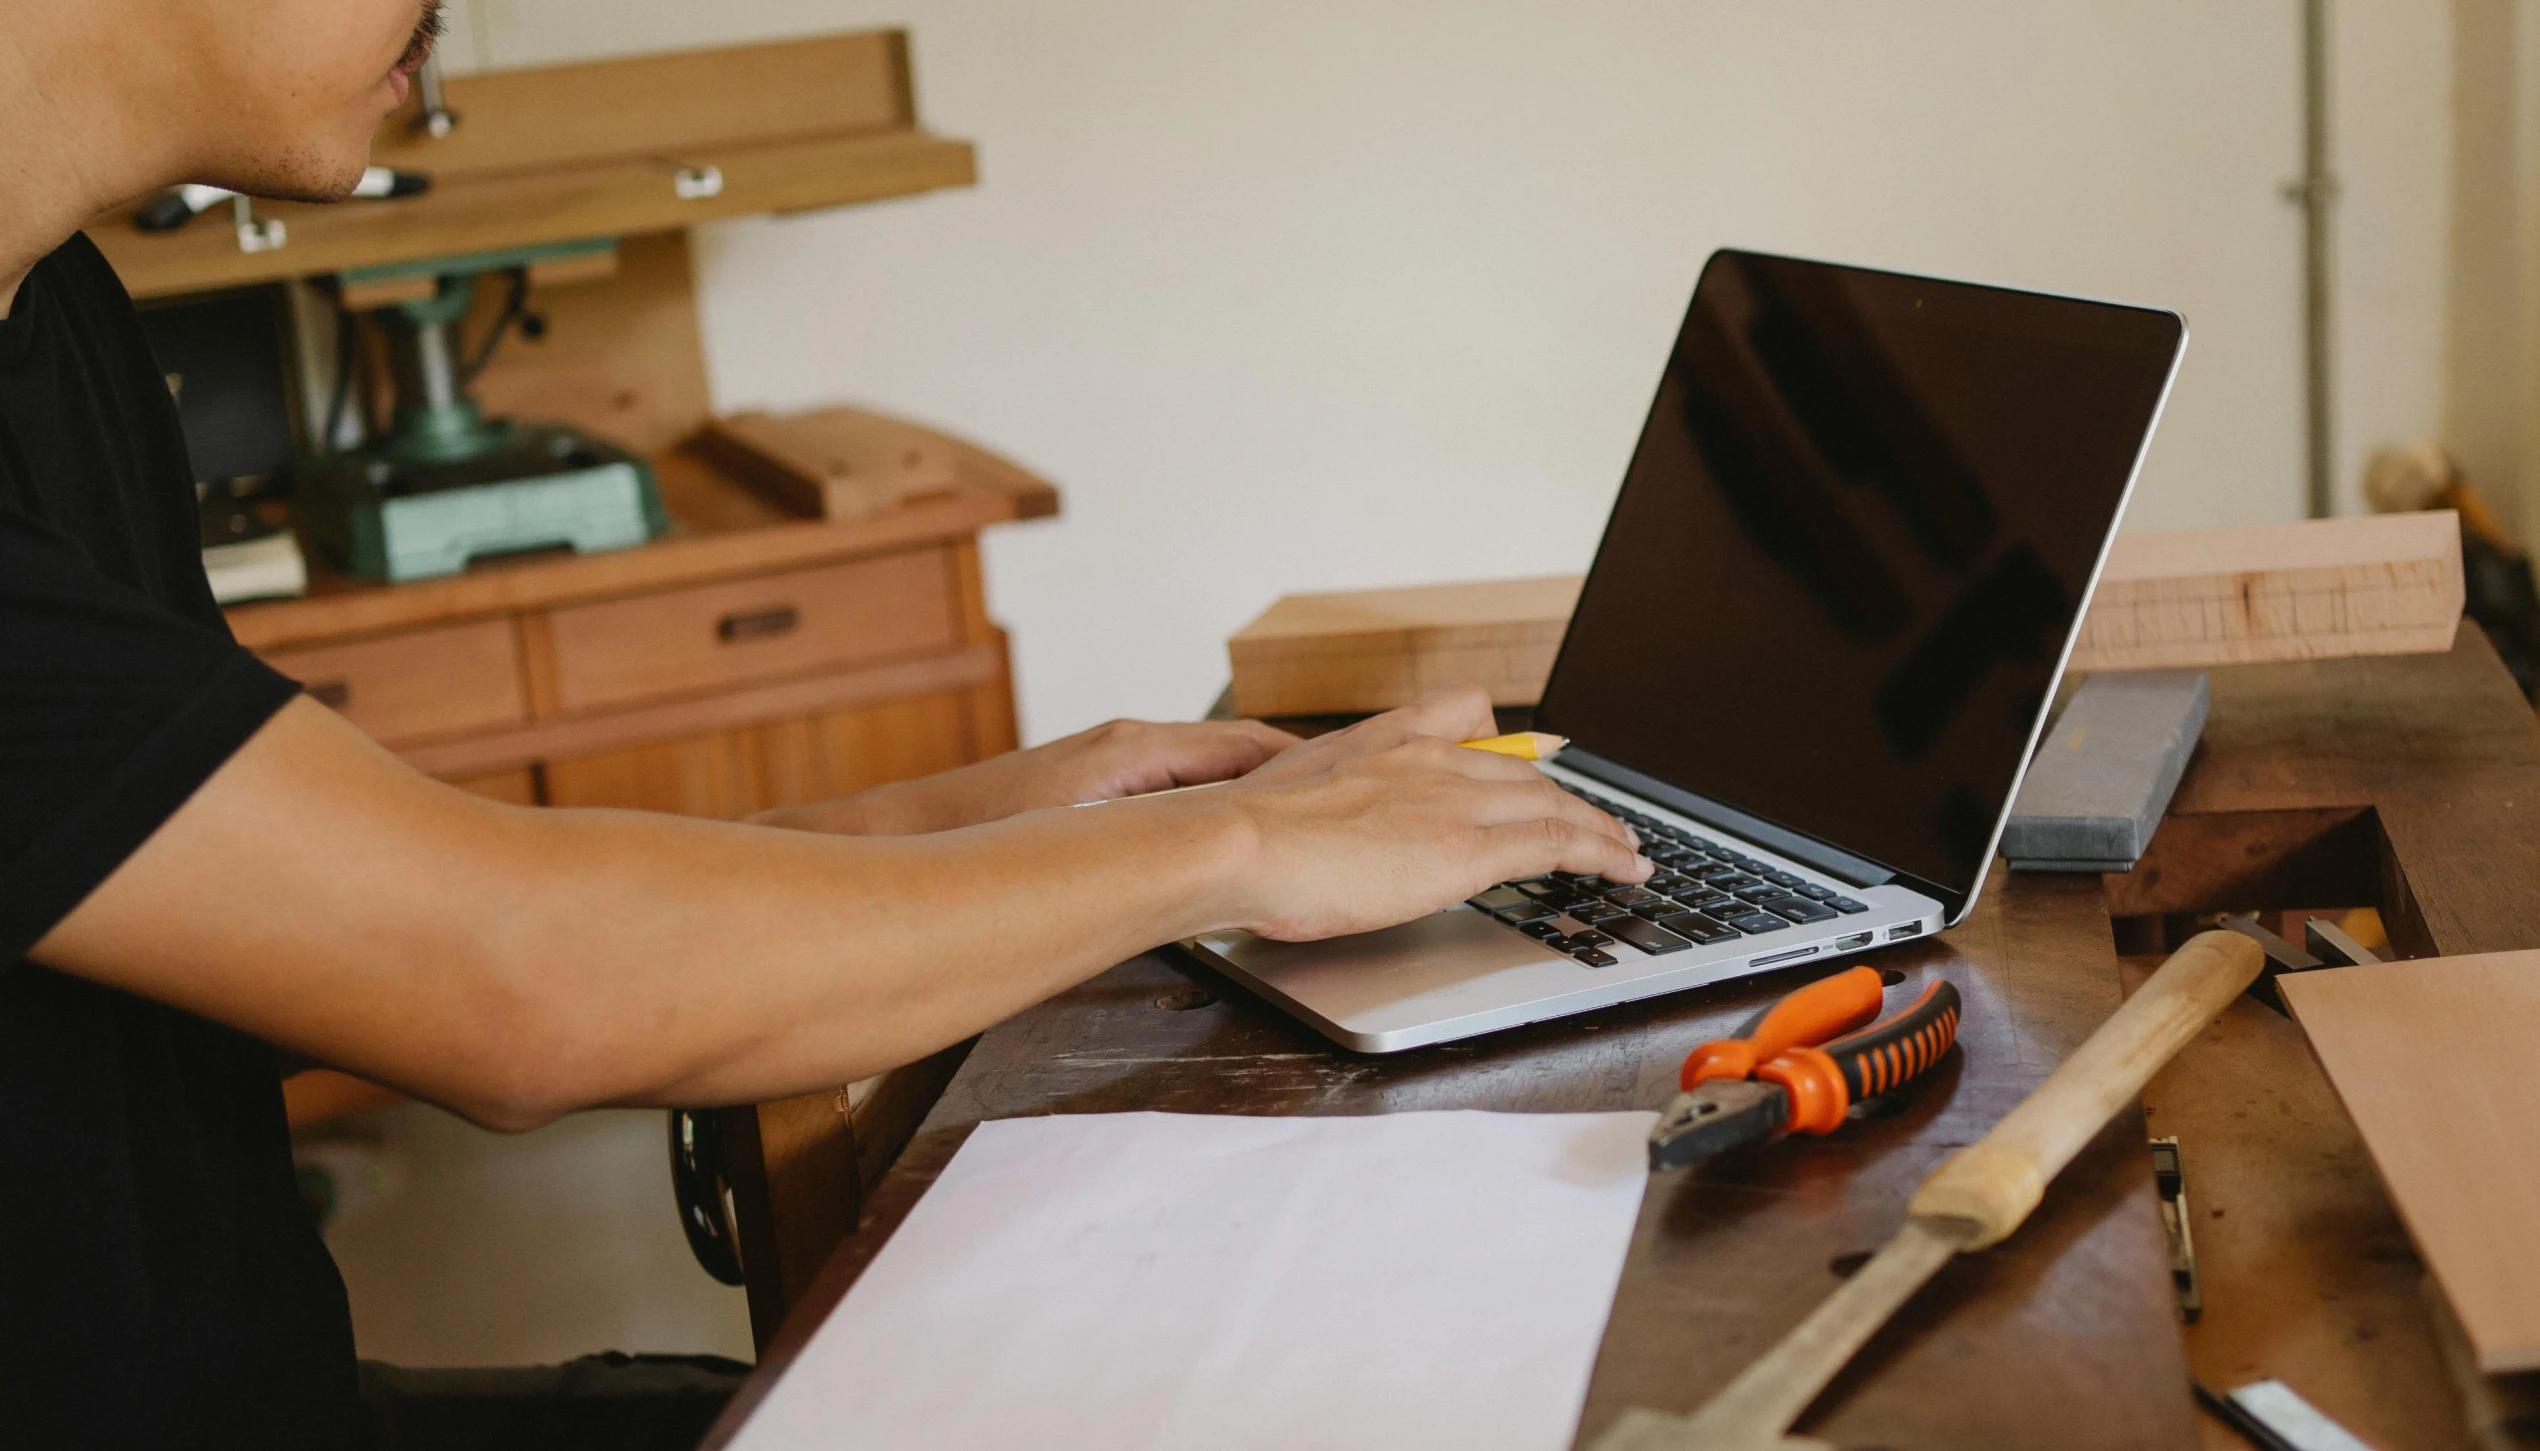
(1998, 1179)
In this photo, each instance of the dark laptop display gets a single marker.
(1852, 547)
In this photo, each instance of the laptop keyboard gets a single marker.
(1704, 892)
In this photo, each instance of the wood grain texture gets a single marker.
(417, 684)
(545, 117)
(521, 209)
(2387, 584)
(1726, 1257)
(846, 464)
(735, 632)
(719, 746)
(2383, 584)
(1369, 650)
(2309, 1275)
(2433, 1061)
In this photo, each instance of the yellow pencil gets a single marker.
(1524, 745)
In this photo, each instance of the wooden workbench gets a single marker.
(2408, 783)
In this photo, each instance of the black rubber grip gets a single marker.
(1892, 1052)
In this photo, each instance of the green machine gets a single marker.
(444, 484)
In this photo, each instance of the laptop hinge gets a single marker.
(1833, 861)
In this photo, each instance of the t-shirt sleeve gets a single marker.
(112, 712)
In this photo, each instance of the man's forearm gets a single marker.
(514, 963)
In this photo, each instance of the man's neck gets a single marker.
(71, 151)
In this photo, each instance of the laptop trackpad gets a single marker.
(1440, 966)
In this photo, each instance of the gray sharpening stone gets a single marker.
(2106, 772)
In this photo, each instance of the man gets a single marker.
(202, 867)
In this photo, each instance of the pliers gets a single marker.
(1800, 1066)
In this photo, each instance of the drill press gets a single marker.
(444, 484)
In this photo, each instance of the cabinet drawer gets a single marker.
(710, 636)
(421, 683)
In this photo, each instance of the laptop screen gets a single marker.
(1854, 540)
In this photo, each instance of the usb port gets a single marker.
(1899, 934)
(1857, 939)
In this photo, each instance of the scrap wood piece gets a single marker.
(2432, 1060)
(2386, 584)
(845, 464)
(1322, 654)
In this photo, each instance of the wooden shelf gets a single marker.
(483, 213)
(719, 528)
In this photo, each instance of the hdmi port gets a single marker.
(1857, 939)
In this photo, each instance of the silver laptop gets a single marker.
(1812, 656)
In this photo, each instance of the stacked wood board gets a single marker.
(2386, 584)
(1322, 654)
(2433, 1061)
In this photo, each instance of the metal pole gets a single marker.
(2316, 190)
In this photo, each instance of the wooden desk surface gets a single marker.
(2067, 1334)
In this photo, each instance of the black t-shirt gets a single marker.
(161, 1284)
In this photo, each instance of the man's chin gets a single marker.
(307, 176)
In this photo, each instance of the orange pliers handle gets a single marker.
(1814, 1045)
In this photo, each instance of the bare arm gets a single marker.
(514, 963)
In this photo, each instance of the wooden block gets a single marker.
(2433, 1061)
(845, 464)
(1321, 654)
(2387, 584)
(2099, 784)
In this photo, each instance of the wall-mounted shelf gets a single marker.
(569, 152)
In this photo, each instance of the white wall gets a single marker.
(1325, 294)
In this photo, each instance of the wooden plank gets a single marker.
(567, 737)
(1725, 1257)
(547, 117)
(2433, 1062)
(2384, 585)
(844, 464)
(488, 213)
(2387, 584)
(1368, 650)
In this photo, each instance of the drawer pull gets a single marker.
(757, 624)
(333, 694)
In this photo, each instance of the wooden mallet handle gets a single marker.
(1998, 1179)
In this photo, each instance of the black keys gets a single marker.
(1814, 893)
(1597, 914)
(1630, 896)
(1498, 897)
(1754, 923)
(1711, 902)
(1523, 913)
(1651, 911)
(1654, 940)
(1719, 872)
(1846, 905)
(1798, 909)
(1593, 957)
(1732, 883)
(1547, 928)
(1698, 927)
(1581, 941)
(1669, 855)
(1541, 887)
(1781, 879)
(1667, 884)
(1760, 893)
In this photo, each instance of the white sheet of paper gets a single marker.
(1143, 1281)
